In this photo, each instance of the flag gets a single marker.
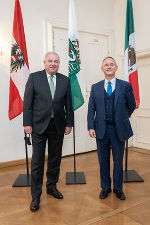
(19, 68)
(74, 61)
(131, 73)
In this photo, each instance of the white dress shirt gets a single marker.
(54, 79)
(113, 84)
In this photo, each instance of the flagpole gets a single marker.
(131, 75)
(76, 86)
(19, 70)
(74, 147)
(27, 142)
(75, 177)
(130, 175)
(24, 180)
(126, 155)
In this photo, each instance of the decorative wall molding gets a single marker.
(102, 32)
(48, 34)
(141, 127)
(143, 53)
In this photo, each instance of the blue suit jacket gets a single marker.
(124, 107)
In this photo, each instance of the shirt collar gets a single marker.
(113, 81)
(48, 75)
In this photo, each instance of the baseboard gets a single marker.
(23, 161)
(80, 153)
(13, 163)
(16, 162)
(140, 150)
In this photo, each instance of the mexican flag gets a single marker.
(131, 73)
(74, 60)
(19, 68)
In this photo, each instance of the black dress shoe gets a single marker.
(104, 193)
(34, 206)
(55, 193)
(119, 194)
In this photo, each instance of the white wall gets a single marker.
(95, 16)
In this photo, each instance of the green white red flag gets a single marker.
(131, 73)
(19, 68)
(74, 61)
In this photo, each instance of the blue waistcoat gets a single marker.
(109, 107)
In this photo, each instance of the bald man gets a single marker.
(111, 104)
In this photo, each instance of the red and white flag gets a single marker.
(131, 73)
(19, 68)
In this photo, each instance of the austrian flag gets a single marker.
(19, 68)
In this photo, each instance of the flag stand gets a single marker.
(130, 175)
(24, 180)
(75, 177)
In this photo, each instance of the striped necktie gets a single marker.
(51, 85)
(52, 89)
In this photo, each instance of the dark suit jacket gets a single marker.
(124, 107)
(38, 104)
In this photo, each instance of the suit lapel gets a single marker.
(117, 89)
(101, 89)
(45, 84)
(58, 85)
(101, 93)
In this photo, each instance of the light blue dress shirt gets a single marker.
(113, 84)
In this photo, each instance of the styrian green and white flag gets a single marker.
(74, 61)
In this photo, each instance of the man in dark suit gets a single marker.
(47, 115)
(111, 104)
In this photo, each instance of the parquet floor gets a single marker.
(81, 204)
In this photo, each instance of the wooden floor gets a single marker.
(81, 204)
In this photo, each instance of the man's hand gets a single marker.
(92, 133)
(28, 129)
(68, 130)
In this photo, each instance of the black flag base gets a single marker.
(131, 176)
(75, 178)
(23, 180)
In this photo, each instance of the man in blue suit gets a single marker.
(111, 104)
